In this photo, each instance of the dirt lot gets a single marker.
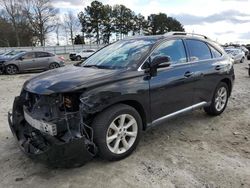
(191, 151)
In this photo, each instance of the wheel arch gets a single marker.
(133, 103)
(139, 108)
(229, 84)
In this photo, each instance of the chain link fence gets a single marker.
(54, 49)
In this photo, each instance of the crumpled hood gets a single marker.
(68, 79)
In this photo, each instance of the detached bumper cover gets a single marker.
(46, 148)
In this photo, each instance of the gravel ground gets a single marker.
(194, 150)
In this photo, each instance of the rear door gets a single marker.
(171, 90)
(205, 61)
(43, 60)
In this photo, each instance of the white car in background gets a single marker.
(237, 54)
(84, 54)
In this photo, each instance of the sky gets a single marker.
(221, 20)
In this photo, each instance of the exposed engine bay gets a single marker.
(53, 128)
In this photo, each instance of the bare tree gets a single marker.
(13, 9)
(42, 17)
(72, 24)
(58, 26)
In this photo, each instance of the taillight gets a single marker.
(62, 58)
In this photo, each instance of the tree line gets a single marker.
(28, 23)
(99, 22)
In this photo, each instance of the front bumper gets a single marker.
(46, 148)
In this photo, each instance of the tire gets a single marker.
(54, 66)
(78, 58)
(106, 125)
(11, 69)
(214, 109)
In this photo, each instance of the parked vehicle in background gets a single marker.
(248, 69)
(70, 114)
(11, 53)
(236, 54)
(6, 56)
(248, 56)
(33, 60)
(244, 49)
(84, 54)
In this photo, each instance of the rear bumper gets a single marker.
(46, 148)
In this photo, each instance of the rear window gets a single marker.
(198, 50)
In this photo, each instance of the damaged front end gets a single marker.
(52, 128)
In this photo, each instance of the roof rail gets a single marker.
(184, 33)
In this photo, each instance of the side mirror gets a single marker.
(21, 58)
(160, 62)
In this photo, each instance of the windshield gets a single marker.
(122, 54)
(16, 56)
(12, 53)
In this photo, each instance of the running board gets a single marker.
(183, 111)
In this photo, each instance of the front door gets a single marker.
(27, 61)
(172, 88)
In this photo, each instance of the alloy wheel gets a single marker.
(121, 134)
(11, 69)
(54, 66)
(221, 99)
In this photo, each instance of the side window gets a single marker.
(42, 54)
(29, 55)
(173, 49)
(215, 53)
(198, 50)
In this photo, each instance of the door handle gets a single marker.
(218, 67)
(188, 74)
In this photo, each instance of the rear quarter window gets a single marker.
(198, 50)
(215, 52)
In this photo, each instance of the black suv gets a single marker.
(71, 114)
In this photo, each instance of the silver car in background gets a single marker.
(236, 54)
(33, 60)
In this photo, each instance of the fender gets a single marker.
(135, 89)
